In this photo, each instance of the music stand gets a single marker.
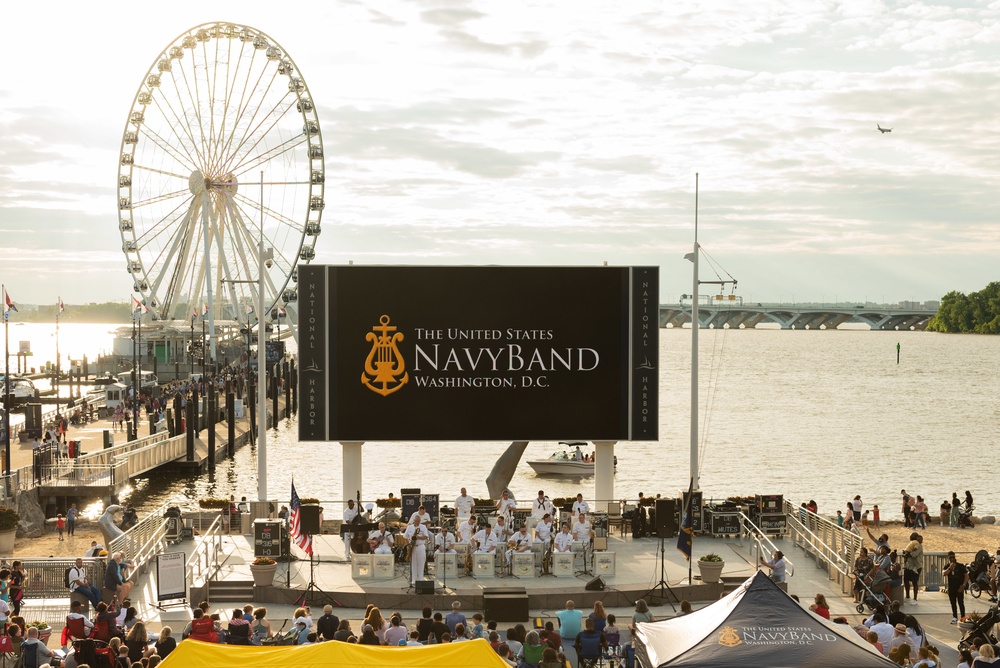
(662, 584)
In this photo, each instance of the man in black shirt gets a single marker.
(328, 624)
(439, 628)
(958, 580)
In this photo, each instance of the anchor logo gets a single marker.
(385, 370)
(728, 637)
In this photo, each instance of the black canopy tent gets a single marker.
(756, 625)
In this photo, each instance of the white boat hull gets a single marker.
(562, 467)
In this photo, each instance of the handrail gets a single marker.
(757, 535)
(135, 542)
(204, 560)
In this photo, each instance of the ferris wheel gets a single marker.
(222, 150)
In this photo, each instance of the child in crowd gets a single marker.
(876, 519)
(477, 626)
(864, 518)
(60, 525)
(840, 519)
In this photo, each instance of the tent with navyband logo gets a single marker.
(756, 625)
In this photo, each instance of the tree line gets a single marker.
(976, 312)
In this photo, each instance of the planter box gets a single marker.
(263, 576)
(711, 571)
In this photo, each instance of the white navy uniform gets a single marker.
(505, 508)
(487, 541)
(418, 554)
(466, 531)
(541, 507)
(564, 541)
(580, 507)
(464, 506)
(522, 543)
(425, 519)
(349, 515)
(581, 532)
(383, 546)
(544, 531)
(444, 542)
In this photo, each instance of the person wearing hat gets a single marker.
(900, 636)
(913, 561)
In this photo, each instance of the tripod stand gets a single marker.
(312, 586)
(662, 584)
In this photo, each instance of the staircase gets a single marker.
(231, 591)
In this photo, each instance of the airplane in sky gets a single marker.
(883, 130)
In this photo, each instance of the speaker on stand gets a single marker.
(666, 518)
(309, 519)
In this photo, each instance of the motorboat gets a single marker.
(565, 462)
(22, 390)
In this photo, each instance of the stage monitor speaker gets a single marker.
(425, 587)
(597, 584)
(511, 607)
(666, 518)
(309, 519)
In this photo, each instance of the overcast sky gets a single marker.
(558, 133)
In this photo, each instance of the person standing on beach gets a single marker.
(71, 516)
(856, 507)
(920, 513)
(906, 508)
(956, 508)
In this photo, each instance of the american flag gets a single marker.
(62, 307)
(301, 539)
(8, 303)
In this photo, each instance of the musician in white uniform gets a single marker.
(522, 542)
(501, 530)
(580, 506)
(541, 506)
(380, 540)
(564, 539)
(425, 518)
(417, 535)
(349, 514)
(467, 529)
(464, 505)
(444, 542)
(505, 506)
(486, 541)
(582, 532)
(543, 530)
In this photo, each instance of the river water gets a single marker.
(820, 415)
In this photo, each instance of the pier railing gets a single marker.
(142, 542)
(758, 540)
(828, 544)
(204, 561)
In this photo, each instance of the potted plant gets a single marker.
(44, 630)
(389, 503)
(969, 620)
(8, 529)
(263, 569)
(213, 504)
(710, 566)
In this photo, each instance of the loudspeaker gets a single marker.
(425, 587)
(666, 518)
(309, 519)
(597, 584)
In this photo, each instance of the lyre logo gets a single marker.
(728, 637)
(385, 370)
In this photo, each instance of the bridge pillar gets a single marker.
(604, 473)
(352, 469)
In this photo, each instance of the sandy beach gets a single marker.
(941, 539)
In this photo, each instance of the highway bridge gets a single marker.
(736, 315)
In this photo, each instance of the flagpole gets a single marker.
(6, 383)
(138, 379)
(261, 363)
(57, 356)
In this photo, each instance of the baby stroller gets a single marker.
(875, 597)
(279, 638)
(979, 573)
(965, 517)
(981, 631)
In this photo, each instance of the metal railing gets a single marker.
(757, 538)
(142, 543)
(106, 456)
(78, 476)
(831, 546)
(45, 578)
(204, 563)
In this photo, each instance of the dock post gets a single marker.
(212, 417)
(178, 416)
(288, 389)
(191, 414)
(294, 383)
(231, 423)
(197, 411)
(251, 403)
(274, 400)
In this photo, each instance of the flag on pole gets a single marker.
(282, 313)
(62, 307)
(301, 539)
(204, 310)
(194, 312)
(138, 306)
(249, 308)
(685, 539)
(8, 303)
